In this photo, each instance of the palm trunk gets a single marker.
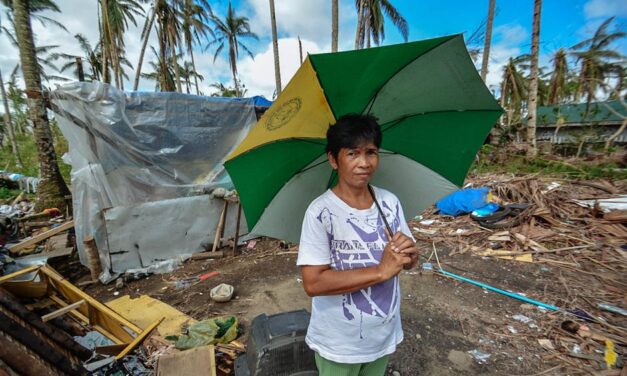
(177, 73)
(615, 135)
(275, 50)
(488, 41)
(52, 189)
(236, 85)
(367, 27)
(163, 62)
(360, 26)
(581, 82)
(9, 125)
(533, 83)
(79, 69)
(191, 54)
(103, 41)
(334, 25)
(503, 89)
(148, 28)
(233, 63)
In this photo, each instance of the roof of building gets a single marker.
(581, 113)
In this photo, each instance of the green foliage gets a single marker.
(6, 193)
(28, 152)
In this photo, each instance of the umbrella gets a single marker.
(434, 111)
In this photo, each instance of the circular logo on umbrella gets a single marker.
(283, 114)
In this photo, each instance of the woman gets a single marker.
(350, 262)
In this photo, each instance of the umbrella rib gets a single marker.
(376, 94)
(313, 166)
(399, 120)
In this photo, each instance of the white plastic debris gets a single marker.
(222, 292)
(522, 318)
(428, 222)
(606, 204)
(553, 185)
(480, 356)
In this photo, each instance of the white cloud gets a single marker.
(506, 43)
(311, 20)
(605, 8)
(258, 74)
(511, 34)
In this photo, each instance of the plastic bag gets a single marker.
(463, 201)
(208, 332)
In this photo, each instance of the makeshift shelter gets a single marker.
(143, 165)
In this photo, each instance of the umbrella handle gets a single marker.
(385, 221)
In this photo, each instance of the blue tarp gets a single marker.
(260, 101)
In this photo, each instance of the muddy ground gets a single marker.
(443, 319)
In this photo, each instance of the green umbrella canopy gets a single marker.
(434, 110)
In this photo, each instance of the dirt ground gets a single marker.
(443, 319)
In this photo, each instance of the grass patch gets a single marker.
(495, 160)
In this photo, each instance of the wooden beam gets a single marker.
(18, 273)
(62, 311)
(85, 320)
(12, 305)
(139, 339)
(41, 237)
(42, 348)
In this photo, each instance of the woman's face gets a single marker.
(355, 166)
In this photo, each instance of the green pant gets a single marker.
(327, 367)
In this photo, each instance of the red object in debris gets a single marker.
(202, 277)
(53, 212)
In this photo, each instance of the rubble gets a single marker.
(575, 228)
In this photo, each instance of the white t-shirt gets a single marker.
(365, 325)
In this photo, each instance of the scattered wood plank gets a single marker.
(207, 255)
(41, 237)
(62, 311)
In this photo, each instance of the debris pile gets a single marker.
(576, 231)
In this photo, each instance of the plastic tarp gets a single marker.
(128, 149)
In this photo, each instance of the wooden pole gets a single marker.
(79, 69)
(239, 217)
(220, 228)
(93, 257)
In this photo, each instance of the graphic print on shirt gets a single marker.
(378, 300)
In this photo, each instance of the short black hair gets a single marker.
(351, 131)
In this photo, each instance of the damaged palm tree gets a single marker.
(52, 189)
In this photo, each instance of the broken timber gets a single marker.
(90, 311)
(38, 238)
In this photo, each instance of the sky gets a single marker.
(563, 24)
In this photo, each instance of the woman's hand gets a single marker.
(394, 256)
(404, 245)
